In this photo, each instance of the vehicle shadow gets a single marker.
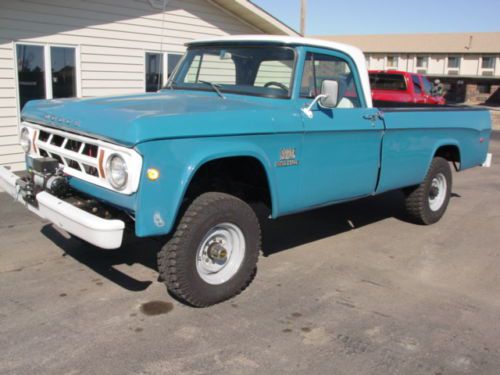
(278, 235)
(295, 230)
(104, 262)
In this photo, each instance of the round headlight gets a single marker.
(117, 172)
(24, 140)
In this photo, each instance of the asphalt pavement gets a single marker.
(349, 289)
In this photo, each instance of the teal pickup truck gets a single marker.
(287, 122)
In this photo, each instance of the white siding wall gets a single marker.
(437, 64)
(112, 36)
(469, 65)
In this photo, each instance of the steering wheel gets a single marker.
(274, 83)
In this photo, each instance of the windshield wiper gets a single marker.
(215, 86)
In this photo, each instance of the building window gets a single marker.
(157, 64)
(63, 72)
(454, 62)
(172, 61)
(154, 71)
(391, 62)
(487, 63)
(45, 72)
(31, 73)
(422, 62)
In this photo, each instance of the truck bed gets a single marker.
(414, 134)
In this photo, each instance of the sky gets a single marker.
(348, 17)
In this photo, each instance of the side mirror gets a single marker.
(330, 92)
(327, 99)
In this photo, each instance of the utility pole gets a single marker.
(303, 17)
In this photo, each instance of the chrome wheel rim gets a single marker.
(437, 192)
(220, 253)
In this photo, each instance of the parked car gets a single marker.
(394, 86)
(280, 121)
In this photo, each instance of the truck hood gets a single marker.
(133, 119)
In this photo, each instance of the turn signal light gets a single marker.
(153, 174)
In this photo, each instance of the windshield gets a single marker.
(254, 70)
(385, 81)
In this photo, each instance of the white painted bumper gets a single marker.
(488, 160)
(107, 234)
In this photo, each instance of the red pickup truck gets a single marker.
(402, 87)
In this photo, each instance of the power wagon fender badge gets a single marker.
(287, 158)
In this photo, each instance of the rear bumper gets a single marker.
(104, 233)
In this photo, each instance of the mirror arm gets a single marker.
(307, 110)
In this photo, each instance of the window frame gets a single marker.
(338, 54)
(293, 79)
(493, 60)
(459, 60)
(48, 68)
(164, 66)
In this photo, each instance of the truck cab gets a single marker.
(396, 87)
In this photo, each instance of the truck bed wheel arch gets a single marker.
(449, 151)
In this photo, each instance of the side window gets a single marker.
(319, 67)
(416, 84)
(427, 85)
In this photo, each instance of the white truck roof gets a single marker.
(355, 53)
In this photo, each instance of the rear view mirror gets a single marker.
(330, 94)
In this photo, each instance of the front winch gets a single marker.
(44, 174)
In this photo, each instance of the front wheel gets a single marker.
(213, 253)
(427, 202)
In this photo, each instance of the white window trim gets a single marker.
(48, 68)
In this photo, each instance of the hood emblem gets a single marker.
(61, 120)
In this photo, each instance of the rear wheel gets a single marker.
(427, 203)
(213, 253)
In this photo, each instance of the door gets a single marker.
(341, 148)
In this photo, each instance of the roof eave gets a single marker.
(256, 17)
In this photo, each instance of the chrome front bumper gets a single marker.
(104, 233)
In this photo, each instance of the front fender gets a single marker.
(178, 160)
